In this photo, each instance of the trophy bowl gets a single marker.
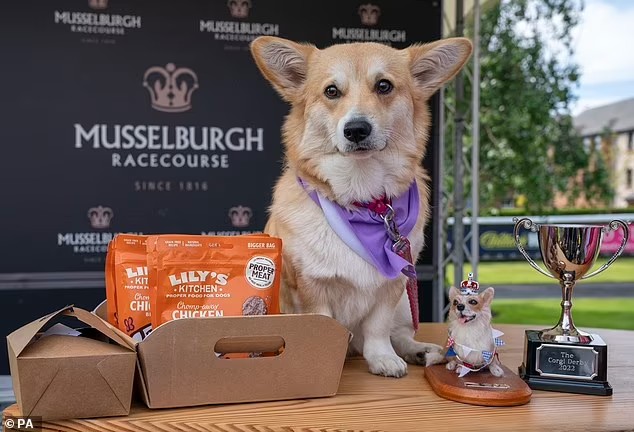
(563, 357)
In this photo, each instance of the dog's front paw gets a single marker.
(434, 357)
(451, 365)
(496, 370)
(387, 365)
(418, 353)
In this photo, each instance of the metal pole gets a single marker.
(439, 215)
(458, 191)
(475, 149)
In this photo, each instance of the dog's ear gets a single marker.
(487, 296)
(434, 64)
(284, 63)
(453, 292)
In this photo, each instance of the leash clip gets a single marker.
(390, 226)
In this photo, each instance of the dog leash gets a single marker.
(400, 246)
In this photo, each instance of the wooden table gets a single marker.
(370, 403)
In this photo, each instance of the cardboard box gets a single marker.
(178, 365)
(64, 374)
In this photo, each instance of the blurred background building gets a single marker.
(611, 127)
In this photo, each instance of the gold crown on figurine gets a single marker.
(469, 286)
(170, 87)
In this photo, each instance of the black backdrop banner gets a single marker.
(151, 117)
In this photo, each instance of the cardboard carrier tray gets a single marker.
(178, 363)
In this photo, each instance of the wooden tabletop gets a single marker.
(370, 403)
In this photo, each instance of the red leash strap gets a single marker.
(405, 252)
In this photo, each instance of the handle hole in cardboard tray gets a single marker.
(235, 347)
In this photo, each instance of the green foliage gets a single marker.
(528, 145)
(609, 313)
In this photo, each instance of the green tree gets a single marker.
(528, 145)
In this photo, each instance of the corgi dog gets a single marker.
(354, 139)
(472, 342)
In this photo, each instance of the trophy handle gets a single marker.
(528, 224)
(626, 235)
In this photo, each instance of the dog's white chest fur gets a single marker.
(470, 340)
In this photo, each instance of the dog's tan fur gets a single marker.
(321, 273)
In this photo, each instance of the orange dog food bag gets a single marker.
(204, 276)
(111, 290)
(131, 280)
(152, 269)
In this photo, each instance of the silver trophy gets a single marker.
(564, 358)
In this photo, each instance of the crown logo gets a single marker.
(100, 217)
(469, 286)
(170, 88)
(239, 8)
(98, 4)
(240, 216)
(369, 14)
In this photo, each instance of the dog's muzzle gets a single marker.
(466, 318)
(360, 139)
(356, 131)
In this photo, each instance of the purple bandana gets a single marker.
(364, 231)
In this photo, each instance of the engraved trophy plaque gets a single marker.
(564, 358)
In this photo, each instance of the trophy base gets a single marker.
(565, 386)
(556, 335)
(565, 367)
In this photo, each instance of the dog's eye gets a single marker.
(332, 92)
(384, 86)
(455, 302)
(473, 302)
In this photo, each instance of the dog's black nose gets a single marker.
(460, 307)
(357, 130)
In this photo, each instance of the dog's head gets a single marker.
(470, 308)
(359, 107)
